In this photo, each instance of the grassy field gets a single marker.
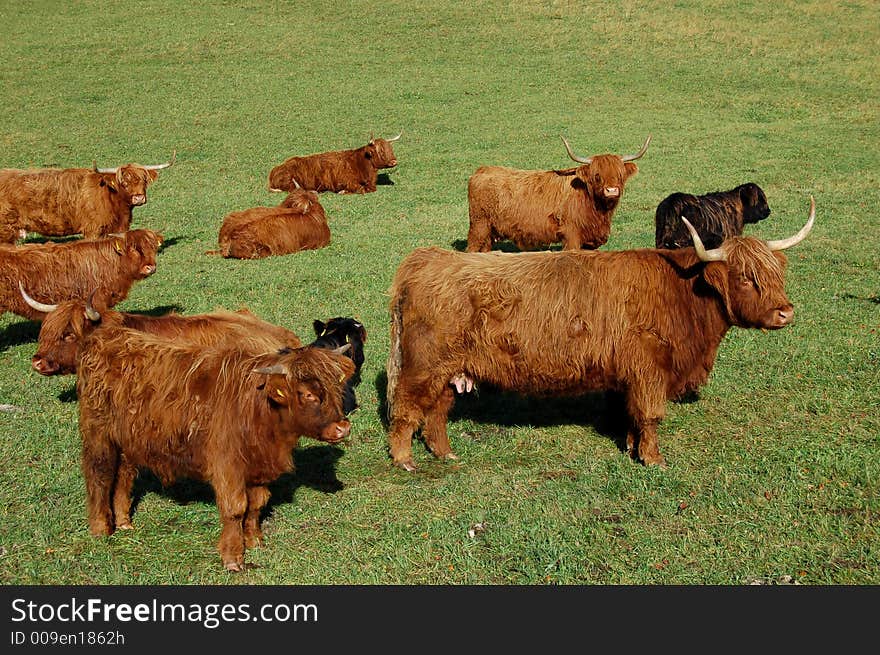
(773, 474)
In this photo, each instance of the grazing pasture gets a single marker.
(774, 474)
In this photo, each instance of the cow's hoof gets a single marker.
(126, 525)
(451, 456)
(234, 566)
(658, 460)
(406, 465)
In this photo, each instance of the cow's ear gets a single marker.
(630, 168)
(320, 328)
(278, 391)
(152, 175)
(716, 275)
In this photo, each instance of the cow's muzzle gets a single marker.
(336, 432)
(612, 192)
(43, 366)
(139, 199)
(779, 318)
(148, 269)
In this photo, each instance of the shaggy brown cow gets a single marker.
(93, 202)
(535, 209)
(342, 171)
(715, 216)
(298, 223)
(223, 416)
(68, 323)
(646, 323)
(105, 267)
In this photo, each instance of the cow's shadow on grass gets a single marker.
(23, 331)
(603, 411)
(314, 467)
(170, 243)
(384, 179)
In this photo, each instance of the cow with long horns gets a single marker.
(343, 171)
(643, 323)
(57, 202)
(535, 209)
(67, 325)
(102, 269)
(221, 415)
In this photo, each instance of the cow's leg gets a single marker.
(479, 235)
(646, 406)
(100, 461)
(400, 442)
(232, 503)
(435, 424)
(257, 497)
(125, 476)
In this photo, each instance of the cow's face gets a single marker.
(300, 200)
(380, 153)
(751, 282)
(61, 335)
(132, 181)
(307, 393)
(754, 203)
(139, 248)
(605, 176)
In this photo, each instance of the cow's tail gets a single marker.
(395, 355)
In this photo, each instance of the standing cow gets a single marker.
(646, 323)
(342, 171)
(93, 202)
(298, 223)
(716, 216)
(106, 268)
(223, 416)
(535, 209)
(67, 324)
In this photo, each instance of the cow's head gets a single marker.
(131, 180)
(380, 153)
(61, 334)
(748, 273)
(304, 387)
(754, 202)
(339, 331)
(300, 200)
(604, 176)
(139, 249)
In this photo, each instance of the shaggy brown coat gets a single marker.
(52, 272)
(342, 171)
(61, 202)
(64, 330)
(646, 323)
(535, 209)
(299, 223)
(716, 216)
(219, 415)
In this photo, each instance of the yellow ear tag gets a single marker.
(117, 247)
(323, 332)
(341, 377)
(279, 393)
(347, 338)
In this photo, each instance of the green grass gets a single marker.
(773, 472)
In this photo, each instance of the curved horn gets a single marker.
(714, 255)
(582, 160)
(104, 170)
(641, 152)
(275, 369)
(91, 313)
(395, 138)
(39, 306)
(156, 167)
(342, 349)
(782, 244)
